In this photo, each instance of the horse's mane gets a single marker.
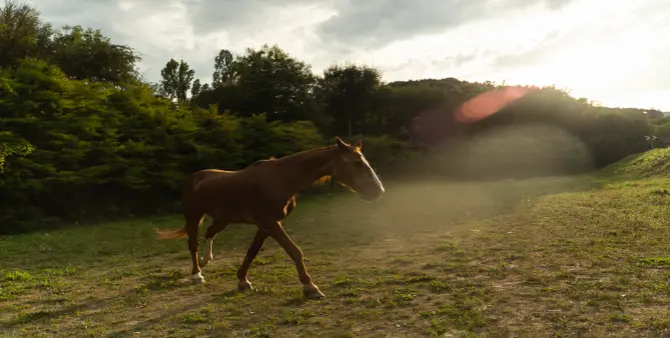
(320, 181)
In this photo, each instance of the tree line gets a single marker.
(84, 136)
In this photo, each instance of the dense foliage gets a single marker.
(82, 135)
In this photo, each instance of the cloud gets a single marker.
(607, 50)
(151, 27)
(614, 58)
(211, 16)
(374, 23)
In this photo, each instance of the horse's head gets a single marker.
(352, 169)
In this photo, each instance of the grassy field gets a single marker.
(566, 256)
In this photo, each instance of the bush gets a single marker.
(101, 150)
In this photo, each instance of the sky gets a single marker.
(609, 51)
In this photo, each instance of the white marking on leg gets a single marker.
(208, 256)
(244, 285)
(208, 250)
(312, 291)
(310, 286)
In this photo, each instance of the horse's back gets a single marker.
(223, 184)
(205, 177)
(223, 193)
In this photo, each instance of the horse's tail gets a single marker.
(170, 234)
(191, 222)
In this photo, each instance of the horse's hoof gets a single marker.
(313, 292)
(244, 287)
(198, 278)
(316, 294)
(203, 262)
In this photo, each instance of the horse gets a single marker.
(264, 194)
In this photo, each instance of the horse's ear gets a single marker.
(341, 143)
(359, 144)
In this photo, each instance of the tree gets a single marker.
(61, 136)
(10, 143)
(418, 111)
(176, 79)
(87, 54)
(13, 145)
(80, 53)
(272, 82)
(223, 69)
(347, 93)
(196, 89)
(22, 34)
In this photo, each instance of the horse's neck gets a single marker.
(304, 168)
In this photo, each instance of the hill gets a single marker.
(652, 163)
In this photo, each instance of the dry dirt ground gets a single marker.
(534, 258)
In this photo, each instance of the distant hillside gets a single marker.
(652, 163)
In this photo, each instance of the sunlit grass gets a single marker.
(544, 257)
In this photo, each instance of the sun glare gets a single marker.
(602, 71)
(590, 67)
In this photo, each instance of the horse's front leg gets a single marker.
(254, 248)
(276, 231)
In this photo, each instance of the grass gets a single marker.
(653, 163)
(559, 257)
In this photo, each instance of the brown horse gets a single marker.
(264, 193)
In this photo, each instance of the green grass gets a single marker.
(530, 258)
(652, 163)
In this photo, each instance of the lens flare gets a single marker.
(489, 103)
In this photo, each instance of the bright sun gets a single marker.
(592, 67)
(600, 71)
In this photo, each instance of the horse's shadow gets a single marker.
(155, 320)
(44, 315)
(169, 314)
(146, 286)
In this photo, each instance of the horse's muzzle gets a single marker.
(371, 195)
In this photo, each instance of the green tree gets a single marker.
(272, 82)
(87, 54)
(347, 93)
(63, 120)
(396, 107)
(22, 33)
(196, 88)
(223, 69)
(67, 137)
(176, 79)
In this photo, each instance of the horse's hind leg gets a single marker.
(193, 220)
(217, 226)
(256, 245)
